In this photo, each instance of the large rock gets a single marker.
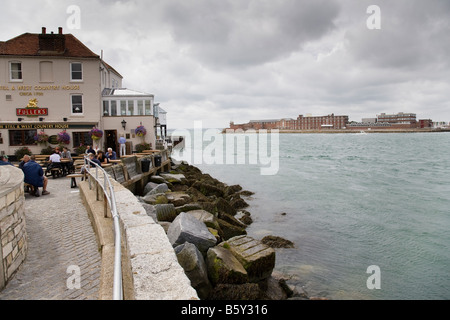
(165, 212)
(153, 199)
(191, 260)
(149, 187)
(208, 189)
(178, 198)
(223, 267)
(188, 207)
(229, 230)
(185, 228)
(257, 258)
(207, 218)
(160, 188)
(173, 178)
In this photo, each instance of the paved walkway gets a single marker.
(60, 236)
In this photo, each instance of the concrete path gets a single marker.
(61, 246)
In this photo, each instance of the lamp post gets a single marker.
(124, 124)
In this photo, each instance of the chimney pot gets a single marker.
(60, 29)
(44, 30)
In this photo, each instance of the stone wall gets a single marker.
(13, 244)
(150, 267)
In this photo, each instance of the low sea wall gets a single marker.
(13, 244)
(149, 265)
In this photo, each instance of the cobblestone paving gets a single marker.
(60, 236)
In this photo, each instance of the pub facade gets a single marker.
(53, 86)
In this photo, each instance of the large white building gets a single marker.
(52, 82)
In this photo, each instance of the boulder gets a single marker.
(257, 258)
(223, 267)
(157, 179)
(149, 187)
(193, 263)
(277, 242)
(165, 212)
(173, 178)
(188, 207)
(207, 218)
(239, 203)
(208, 189)
(229, 230)
(150, 210)
(153, 199)
(160, 188)
(178, 198)
(185, 228)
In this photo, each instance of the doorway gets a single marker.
(111, 140)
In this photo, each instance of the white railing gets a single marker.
(109, 195)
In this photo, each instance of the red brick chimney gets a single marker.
(52, 43)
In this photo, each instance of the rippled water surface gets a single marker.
(352, 201)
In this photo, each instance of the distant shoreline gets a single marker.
(350, 131)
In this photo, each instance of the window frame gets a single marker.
(72, 105)
(71, 71)
(11, 71)
(23, 133)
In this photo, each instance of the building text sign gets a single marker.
(32, 112)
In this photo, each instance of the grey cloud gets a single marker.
(245, 32)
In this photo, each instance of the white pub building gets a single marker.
(52, 82)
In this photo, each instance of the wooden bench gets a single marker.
(73, 182)
(54, 172)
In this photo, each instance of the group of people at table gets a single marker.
(34, 173)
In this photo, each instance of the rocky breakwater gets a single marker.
(205, 221)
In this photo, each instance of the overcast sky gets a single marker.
(239, 60)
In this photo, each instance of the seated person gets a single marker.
(93, 162)
(5, 162)
(34, 175)
(89, 149)
(55, 160)
(25, 159)
(111, 154)
(67, 166)
(102, 157)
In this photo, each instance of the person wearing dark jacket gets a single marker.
(34, 175)
(5, 162)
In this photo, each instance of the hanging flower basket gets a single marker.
(41, 137)
(140, 131)
(64, 137)
(96, 134)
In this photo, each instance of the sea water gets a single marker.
(352, 201)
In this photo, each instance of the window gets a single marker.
(140, 108)
(76, 71)
(22, 137)
(130, 111)
(15, 71)
(123, 108)
(148, 108)
(106, 108)
(77, 104)
(82, 139)
(113, 108)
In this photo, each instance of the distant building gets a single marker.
(301, 123)
(399, 120)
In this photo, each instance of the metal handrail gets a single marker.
(107, 186)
